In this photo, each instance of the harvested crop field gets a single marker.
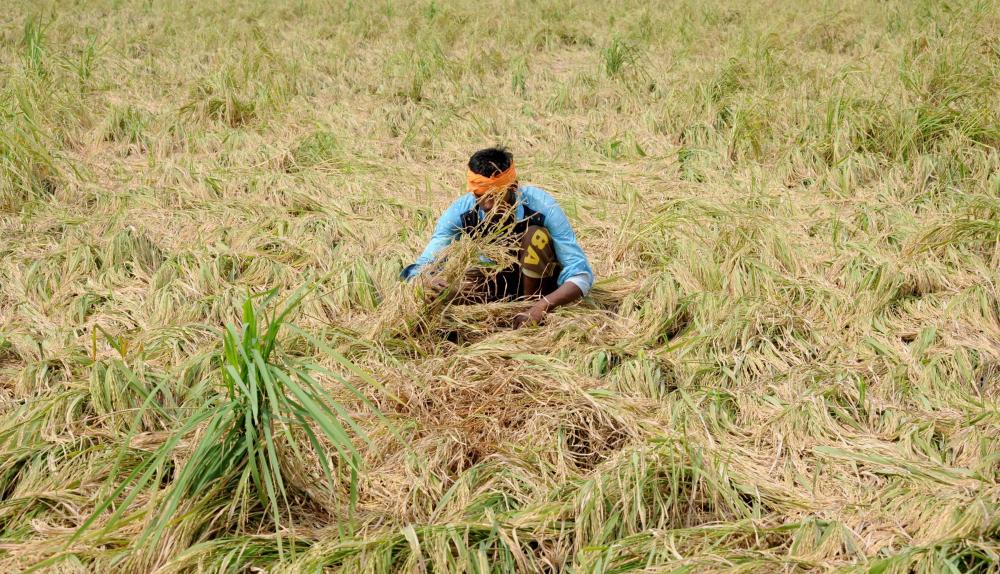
(790, 361)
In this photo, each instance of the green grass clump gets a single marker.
(619, 57)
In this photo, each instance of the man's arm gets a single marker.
(576, 277)
(575, 266)
(448, 226)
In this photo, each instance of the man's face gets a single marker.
(497, 201)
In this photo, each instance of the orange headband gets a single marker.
(480, 185)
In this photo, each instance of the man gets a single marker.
(550, 264)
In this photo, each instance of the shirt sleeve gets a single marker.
(583, 281)
(575, 266)
(448, 226)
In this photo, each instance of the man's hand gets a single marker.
(565, 294)
(434, 286)
(532, 317)
(468, 284)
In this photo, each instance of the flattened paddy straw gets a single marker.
(790, 361)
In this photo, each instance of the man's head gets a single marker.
(491, 163)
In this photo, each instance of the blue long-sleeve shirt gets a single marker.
(575, 267)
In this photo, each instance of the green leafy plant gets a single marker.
(619, 58)
(268, 404)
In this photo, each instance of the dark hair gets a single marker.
(490, 161)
